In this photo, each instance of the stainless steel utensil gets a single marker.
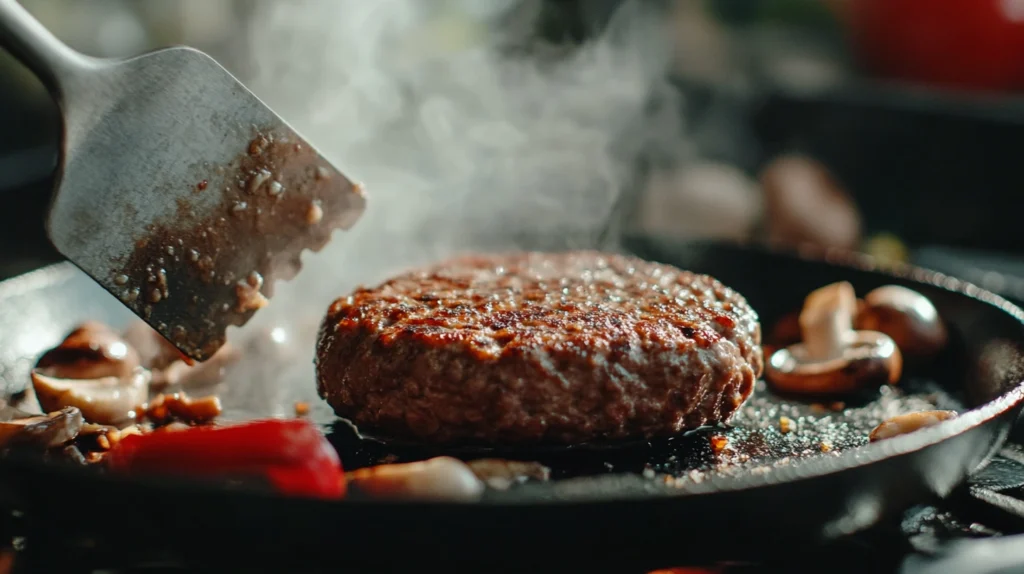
(179, 191)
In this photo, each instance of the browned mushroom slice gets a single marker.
(440, 478)
(91, 351)
(908, 317)
(833, 358)
(165, 408)
(909, 423)
(500, 474)
(49, 430)
(106, 400)
(103, 437)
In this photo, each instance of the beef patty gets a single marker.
(522, 348)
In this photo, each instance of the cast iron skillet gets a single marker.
(770, 492)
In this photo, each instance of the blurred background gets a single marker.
(891, 126)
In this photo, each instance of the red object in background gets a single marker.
(291, 454)
(971, 44)
(685, 570)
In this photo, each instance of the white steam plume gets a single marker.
(461, 142)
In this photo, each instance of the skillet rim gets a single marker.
(797, 470)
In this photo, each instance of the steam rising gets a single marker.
(467, 136)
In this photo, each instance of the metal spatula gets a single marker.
(179, 190)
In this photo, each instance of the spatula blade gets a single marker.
(185, 196)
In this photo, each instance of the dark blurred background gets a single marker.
(890, 126)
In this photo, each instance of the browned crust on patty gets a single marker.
(521, 348)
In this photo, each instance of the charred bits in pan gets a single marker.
(278, 198)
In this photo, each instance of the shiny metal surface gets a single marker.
(140, 136)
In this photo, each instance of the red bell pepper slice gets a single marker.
(292, 454)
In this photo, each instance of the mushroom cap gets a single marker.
(868, 359)
(106, 400)
(49, 430)
(91, 351)
(908, 317)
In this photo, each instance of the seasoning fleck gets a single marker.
(248, 293)
(259, 179)
(718, 443)
(258, 144)
(786, 424)
(315, 213)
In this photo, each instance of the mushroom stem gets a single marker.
(826, 321)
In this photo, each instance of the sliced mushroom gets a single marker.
(104, 437)
(440, 478)
(91, 351)
(908, 423)
(501, 474)
(179, 406)
(703, 200)
(47, 431)
(106, 400)
(908, 317)
(833, 357)
(71, 453)
(806, 204)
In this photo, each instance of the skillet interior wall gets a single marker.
(469, 132)
(985, 357)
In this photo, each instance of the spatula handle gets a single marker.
(29, 41)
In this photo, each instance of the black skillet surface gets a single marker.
(648, 505)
